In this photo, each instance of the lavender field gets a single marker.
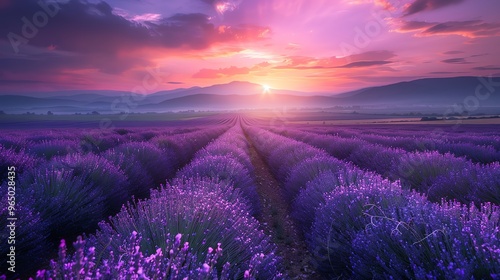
(237, 197)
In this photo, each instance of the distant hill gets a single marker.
(232, 88)
(235, 102)
(413, 95)
(18, 101)
(431, 91)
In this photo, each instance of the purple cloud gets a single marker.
(427, 5)
(360, 64)
(487, 68)
(221, 72)
(453, 52)
(458, 60)
(89, 28)
(470, 29)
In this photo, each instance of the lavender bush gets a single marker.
(377, 158)
(186, 144)
(308, 170)
(429, 241)
(158, 164)
(419, 170)
(66, 202)
(477, 150)
(56, 147)
(204, 218)
(341, 217)
(224, 169)
(233, 144)
(478, 183)
(176, 261)
(20, 160)
(98, 171)
(313, 195)
(226, 159)
(224, 189)
(338, 147)
(32, 233)
(98, 143)
(139, 180)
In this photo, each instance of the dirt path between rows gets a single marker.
(277, 222)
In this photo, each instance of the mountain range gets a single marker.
(422, 93)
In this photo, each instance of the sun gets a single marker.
(266, 89)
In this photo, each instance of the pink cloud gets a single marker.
(366, 59)
(221, 72)
(470, 29)
(427, 5)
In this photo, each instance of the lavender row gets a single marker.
(226, 159)
(474, 152)
(482, 135)
(480, 147)
(380, 232)
(48, 143)
(342, 211)
(25, 150)
(436, 175)
(209, 215)
(67, 195)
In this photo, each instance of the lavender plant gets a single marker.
(202, 217)
(225, 169)
(175, 261)
(478, 183)
(98, 171)
(377, 158)
(139, 180)
(100, 142)
(308, 170)
(419, 170)
(429, 241)
(341, 217)
(31, 237)
(66, 202)
(287, 155)
(313, 195)
(185, 145)
(233, 144)
(158, 164)
(20, 160)
(56, 147)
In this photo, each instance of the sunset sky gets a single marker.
(308, 45)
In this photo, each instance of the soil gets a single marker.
(276, 222)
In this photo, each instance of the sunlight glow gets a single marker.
(223, 6)
(266, 89)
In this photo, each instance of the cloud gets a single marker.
(458, 60)
(479, 55)
(89, 36)
(453, 52)
(445, 73)
(470, 29)
(47, 61)
(175, 83)
(361, 64)
(487, 68)
(93, 27)
(428, 5)
(366, 59)
(149, 17)
(221, 72)
(385, 4)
